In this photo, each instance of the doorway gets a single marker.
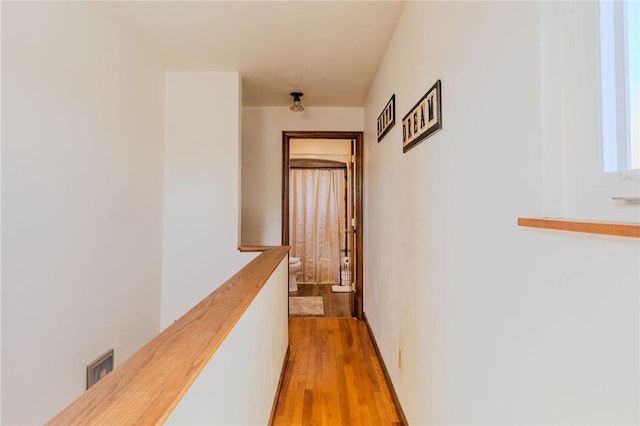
(351, 241)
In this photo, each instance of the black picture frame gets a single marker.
(387, 118)
(424, 119)
(99, 368)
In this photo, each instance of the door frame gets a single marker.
(358, 192)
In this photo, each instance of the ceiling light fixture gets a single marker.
(296, 107)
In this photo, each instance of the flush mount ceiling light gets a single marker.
(296, 107)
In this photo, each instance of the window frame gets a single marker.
(574, 183)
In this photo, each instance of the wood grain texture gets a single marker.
(249, 249)
(148, 385)
(333, 376)
(591, 227)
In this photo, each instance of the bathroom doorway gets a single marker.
(321, 211)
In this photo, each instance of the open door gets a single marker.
(354, 236)
(351, 228)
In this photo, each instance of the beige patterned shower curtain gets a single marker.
(316, 233)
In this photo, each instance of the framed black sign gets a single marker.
(387, 118)
(424, 119)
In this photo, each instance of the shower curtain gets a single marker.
(317, 223)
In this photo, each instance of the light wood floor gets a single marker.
(333, 376)
(335, 304)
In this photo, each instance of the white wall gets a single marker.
(82, 141)
(320, 148)
(237, 387)
(201, 178)
(497, 324)
(262, 161)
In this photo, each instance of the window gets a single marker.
(589, 110)
(620, 85)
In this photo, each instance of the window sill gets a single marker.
(591, 227)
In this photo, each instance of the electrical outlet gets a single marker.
(400, 359)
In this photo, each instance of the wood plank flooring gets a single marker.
(333, 376)
(335, 304)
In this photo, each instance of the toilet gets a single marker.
(294, 267)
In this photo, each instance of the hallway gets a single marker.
(333, 376)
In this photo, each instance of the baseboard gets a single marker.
(279, 387)
(394, 395)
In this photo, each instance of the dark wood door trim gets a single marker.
(359, 201)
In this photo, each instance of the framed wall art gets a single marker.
(424, 119)
(99, 368)
(387, 118)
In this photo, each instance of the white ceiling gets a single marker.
(330, 50)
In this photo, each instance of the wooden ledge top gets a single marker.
(147, 386)
(249, 249)
(619, 229)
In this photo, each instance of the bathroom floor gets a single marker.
(335, 304)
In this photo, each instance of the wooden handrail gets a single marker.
(249, 249)
(147, 387)
(591, 227)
